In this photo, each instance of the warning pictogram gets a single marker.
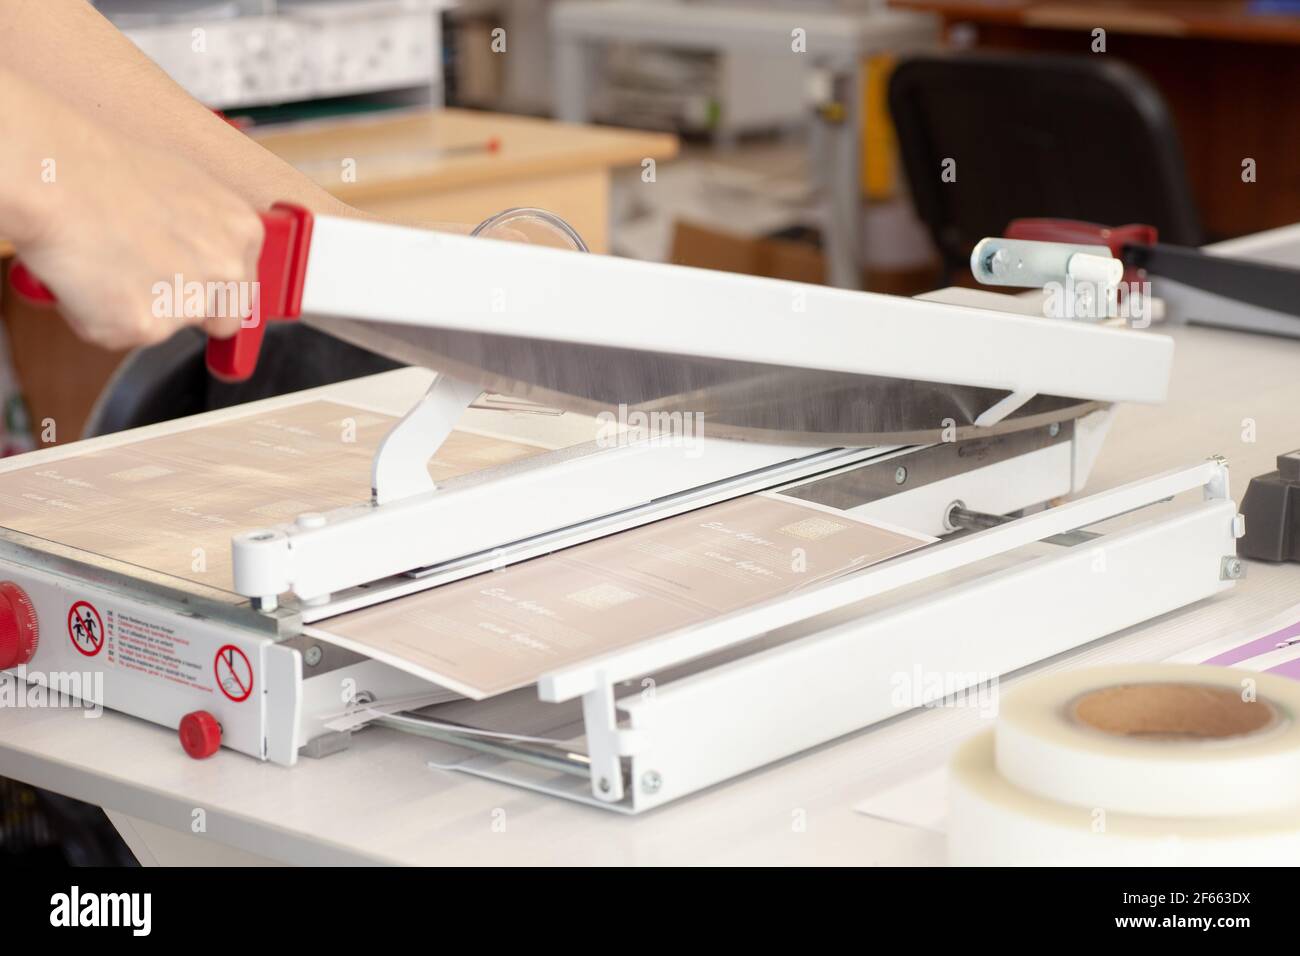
(234, 673)
(86, 628)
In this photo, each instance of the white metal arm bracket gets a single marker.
(604, 749)
(401, 464)
(689, 643)
(1004, 407)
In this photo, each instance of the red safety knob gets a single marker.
(200, 734)
(19, 632)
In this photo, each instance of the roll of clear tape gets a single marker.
(1162, 740)
(992, 822)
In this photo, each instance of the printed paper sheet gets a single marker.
(173, 502)
(503, 629)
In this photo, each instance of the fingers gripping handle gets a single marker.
(281, 268)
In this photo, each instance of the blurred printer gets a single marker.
(233, 54)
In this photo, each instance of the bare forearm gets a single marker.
(47, 145)
(67, 46)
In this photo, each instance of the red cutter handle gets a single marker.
(28, 286)
(281, 269)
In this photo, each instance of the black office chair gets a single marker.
(1065, 137)
(169, 380)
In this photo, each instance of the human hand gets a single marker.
(136, 243)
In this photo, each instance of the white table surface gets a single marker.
(378, 802)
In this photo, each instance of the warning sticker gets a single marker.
(86, 628)
(234, 673)
(155, 649)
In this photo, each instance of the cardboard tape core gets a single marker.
(1155, 740)
(1172, 712)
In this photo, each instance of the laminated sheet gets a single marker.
(172, 503)
(504, 629)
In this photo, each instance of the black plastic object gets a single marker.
(1272, 510)
(1036, 135)
(170, 380)
(1262, 284)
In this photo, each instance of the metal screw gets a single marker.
(604, 785)
(312, 656)
(1054, 429)
(1232, 568)
(900, 475)
(651, 781)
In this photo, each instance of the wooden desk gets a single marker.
(403, 171)
(434, 165)
(1226, 73)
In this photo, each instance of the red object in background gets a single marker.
(1086, 234)
(240, 123)
(19, 631)
(200, 734)
(491, 145)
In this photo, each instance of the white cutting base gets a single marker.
(970, 609)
